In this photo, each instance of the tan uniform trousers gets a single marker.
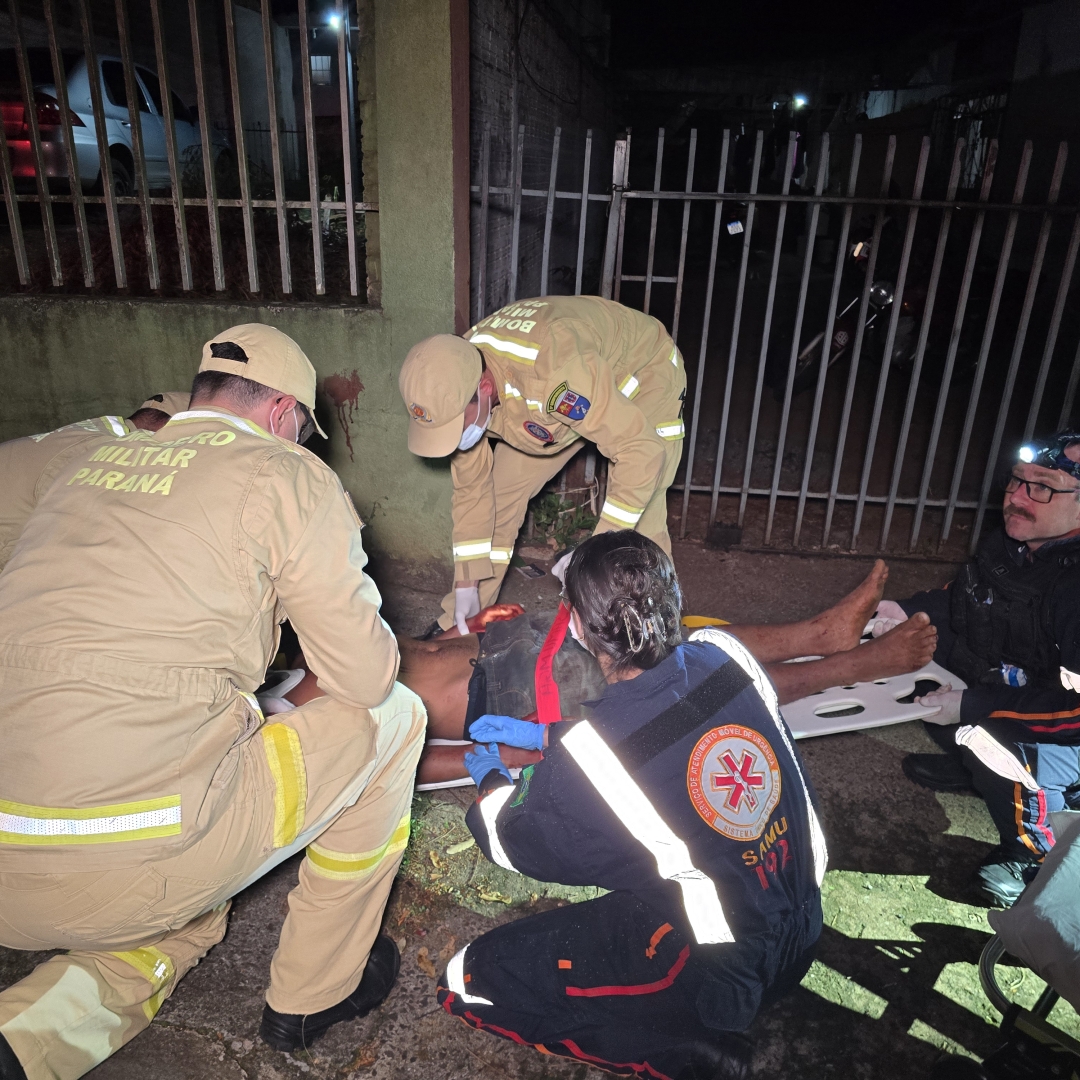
(135, 932)
(519, 477)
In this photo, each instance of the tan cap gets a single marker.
(264, 355)
(437, 380)
(171, 403)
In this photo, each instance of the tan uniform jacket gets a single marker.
(22, 462)
(570, 367)
(138, 614)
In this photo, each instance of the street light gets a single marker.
(334, 22)
(799, 101)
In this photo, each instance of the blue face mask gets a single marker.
(471, 435)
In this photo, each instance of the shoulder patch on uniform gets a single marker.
(568, 403)
(733, 779)
(538, 432)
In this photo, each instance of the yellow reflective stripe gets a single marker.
(351, 865)
(157, 968)
(629, 386)
(472, 549)
(675, 430)
(116, 425)
(695, 622)
(22, 823)
(536, 406)
(521, 351)
(621, 514)
(674, 358)
(512, 391)
(285, 757)
(501, 555)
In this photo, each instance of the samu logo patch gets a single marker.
(538, 432)
(568, 403)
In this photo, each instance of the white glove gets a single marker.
(466, 605)
(948, 702)
(559, 569)
(888, 614)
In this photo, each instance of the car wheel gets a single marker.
(123, 181)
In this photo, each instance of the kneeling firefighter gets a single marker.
(683, 794)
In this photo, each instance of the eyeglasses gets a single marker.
(307, 429)
(1040, 493)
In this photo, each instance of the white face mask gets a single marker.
(471, 435)
(574, 633)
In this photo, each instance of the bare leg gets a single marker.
(441, 763)
(836, 629)
(905, 648)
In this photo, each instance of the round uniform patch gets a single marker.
(538, 432)
(734, 781)
(419, 413)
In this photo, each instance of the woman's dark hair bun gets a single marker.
(624, 588)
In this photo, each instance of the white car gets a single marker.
(117, 127)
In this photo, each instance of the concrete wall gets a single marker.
(66, 358)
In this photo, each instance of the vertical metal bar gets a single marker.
(584, 213)
(954, 342)
(920, 348)
(988, 334)
(612, 239)
(826, 343)
(622, 218)
(242, 161)
(736, 323)
(796, 334)
(516, 237)
(312, 153)
(275, 150)
(70, 155)
(699, 378)
(770, 300)
(98, 106)
(652, 225)
(138, 152)
(1052, 333)
(1018, 342)
(175, 178)
(209, 177)
(682, 241)
(481, 270)
(22, 264)
(1070, 392)
(860, 333)
(549, 212)
(345, 88)
(890, 339)
(30, 105)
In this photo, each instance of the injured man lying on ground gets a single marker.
(494, 669)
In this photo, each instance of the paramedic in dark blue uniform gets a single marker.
(683, 794)
(1009, 626)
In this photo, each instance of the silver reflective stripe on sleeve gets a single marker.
(490, 805)
(739, 653)
(631, 806)
(117, 425)
(1070, 680)
(455, 979)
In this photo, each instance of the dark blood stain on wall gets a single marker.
(344, 392)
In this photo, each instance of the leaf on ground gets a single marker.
(423, 959)
(457, 849)
(447, 950)
(492, 894)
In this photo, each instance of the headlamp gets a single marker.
(1050, 453)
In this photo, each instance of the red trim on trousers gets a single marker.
(640, 988)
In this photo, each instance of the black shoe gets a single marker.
(10, 1066)
(1003, 875)
(728, 1058)
(938, 772)
(292, 1031)
(434, 630)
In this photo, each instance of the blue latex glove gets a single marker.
(480, 762)
(505, 729)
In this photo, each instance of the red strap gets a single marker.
(548, 710)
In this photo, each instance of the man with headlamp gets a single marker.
(1009, 626)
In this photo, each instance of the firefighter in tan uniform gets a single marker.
(539, 376)
(24, 461)
(140, 785)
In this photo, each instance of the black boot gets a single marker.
(1004, 874)
(10, 1066)
(938, 772)
(293, 1031)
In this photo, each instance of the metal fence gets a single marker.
(984, 286)
(194, 185)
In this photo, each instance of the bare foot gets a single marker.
(904, 648)
(841, 626)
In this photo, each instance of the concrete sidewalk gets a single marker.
(895, 980)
